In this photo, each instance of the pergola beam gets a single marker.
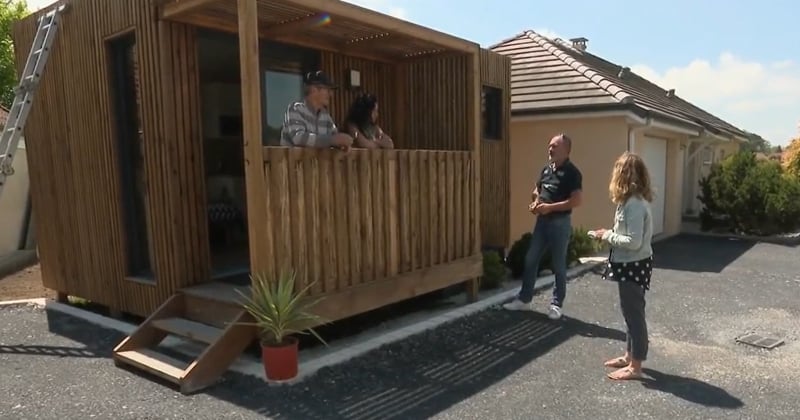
(391, 24)
(230, 26)
(290, 27)
(177, 8)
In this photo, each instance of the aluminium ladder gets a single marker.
(29, 82)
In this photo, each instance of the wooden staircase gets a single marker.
(195, 317)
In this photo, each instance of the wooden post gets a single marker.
(255, 181)
(474, 130)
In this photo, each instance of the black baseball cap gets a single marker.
(319, 78)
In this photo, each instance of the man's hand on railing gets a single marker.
(342, 141)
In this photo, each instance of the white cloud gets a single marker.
(388, 7)
(760, 97)
(547, 33)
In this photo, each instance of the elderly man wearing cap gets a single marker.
(307, 123)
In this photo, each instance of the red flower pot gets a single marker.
(280, 360)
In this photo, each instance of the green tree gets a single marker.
(10, 11)
(792, 157)
(746, 195)
(756, 143)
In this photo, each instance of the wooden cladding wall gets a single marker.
(74, 167)
(346, 220)
(376, 78)
(495, 170)
(435, 103)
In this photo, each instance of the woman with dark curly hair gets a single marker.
(362, 124)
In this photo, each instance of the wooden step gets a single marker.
(154, 362)
(189, 329)
(200, 316)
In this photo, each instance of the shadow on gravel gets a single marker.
(698, 253)
(52, 351)
(417, 377)
(99, 341)
(691, 390)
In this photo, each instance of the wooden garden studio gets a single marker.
(370, 227)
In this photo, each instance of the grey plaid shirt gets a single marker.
(304, 128)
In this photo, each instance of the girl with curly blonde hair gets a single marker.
(630, 260)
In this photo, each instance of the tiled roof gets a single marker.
(550, 75)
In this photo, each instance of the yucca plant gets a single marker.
(280, 311)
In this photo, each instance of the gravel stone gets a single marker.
(490, 365)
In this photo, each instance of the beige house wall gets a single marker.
(597, 143)
(727, 149)
(14, 204)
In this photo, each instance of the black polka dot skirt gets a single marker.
(637, 271)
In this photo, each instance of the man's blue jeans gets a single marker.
(553, 232)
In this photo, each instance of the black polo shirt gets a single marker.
(558, 184)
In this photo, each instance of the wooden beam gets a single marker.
(441, 55)
(290, 27)
(373, 40)
(372, 295)
(474, 131)
(255, 183)
(385, 22)
(180, 7)
(334, 47)
(226, 25)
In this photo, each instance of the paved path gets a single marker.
(493, 365)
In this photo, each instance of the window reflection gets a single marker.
(280, 89)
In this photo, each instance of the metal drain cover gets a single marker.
(757, 340)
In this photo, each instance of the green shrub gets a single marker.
(516, 255)
(745, 195)
(494, 272)
(580, 245)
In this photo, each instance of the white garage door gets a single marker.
(654, 153)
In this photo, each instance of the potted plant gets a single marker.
(279, 312)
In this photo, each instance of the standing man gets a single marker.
(307, 123)
(557, 192)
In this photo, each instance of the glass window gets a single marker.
(280, 89)
(492, 113)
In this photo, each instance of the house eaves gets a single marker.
(549, 77)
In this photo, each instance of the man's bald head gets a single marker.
(559, 148)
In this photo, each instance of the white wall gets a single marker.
(13, 203)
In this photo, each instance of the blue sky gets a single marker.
(737, 60)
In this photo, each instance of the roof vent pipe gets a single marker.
(671, 93)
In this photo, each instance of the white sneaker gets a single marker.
(554, 312)
(518, 305)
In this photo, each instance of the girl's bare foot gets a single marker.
(617, 362)
(626, 373)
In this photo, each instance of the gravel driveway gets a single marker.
(492, 365)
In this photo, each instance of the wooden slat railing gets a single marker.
(345, 219)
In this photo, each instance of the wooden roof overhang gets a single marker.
(331, 25)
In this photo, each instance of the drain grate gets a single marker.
(758, 340)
